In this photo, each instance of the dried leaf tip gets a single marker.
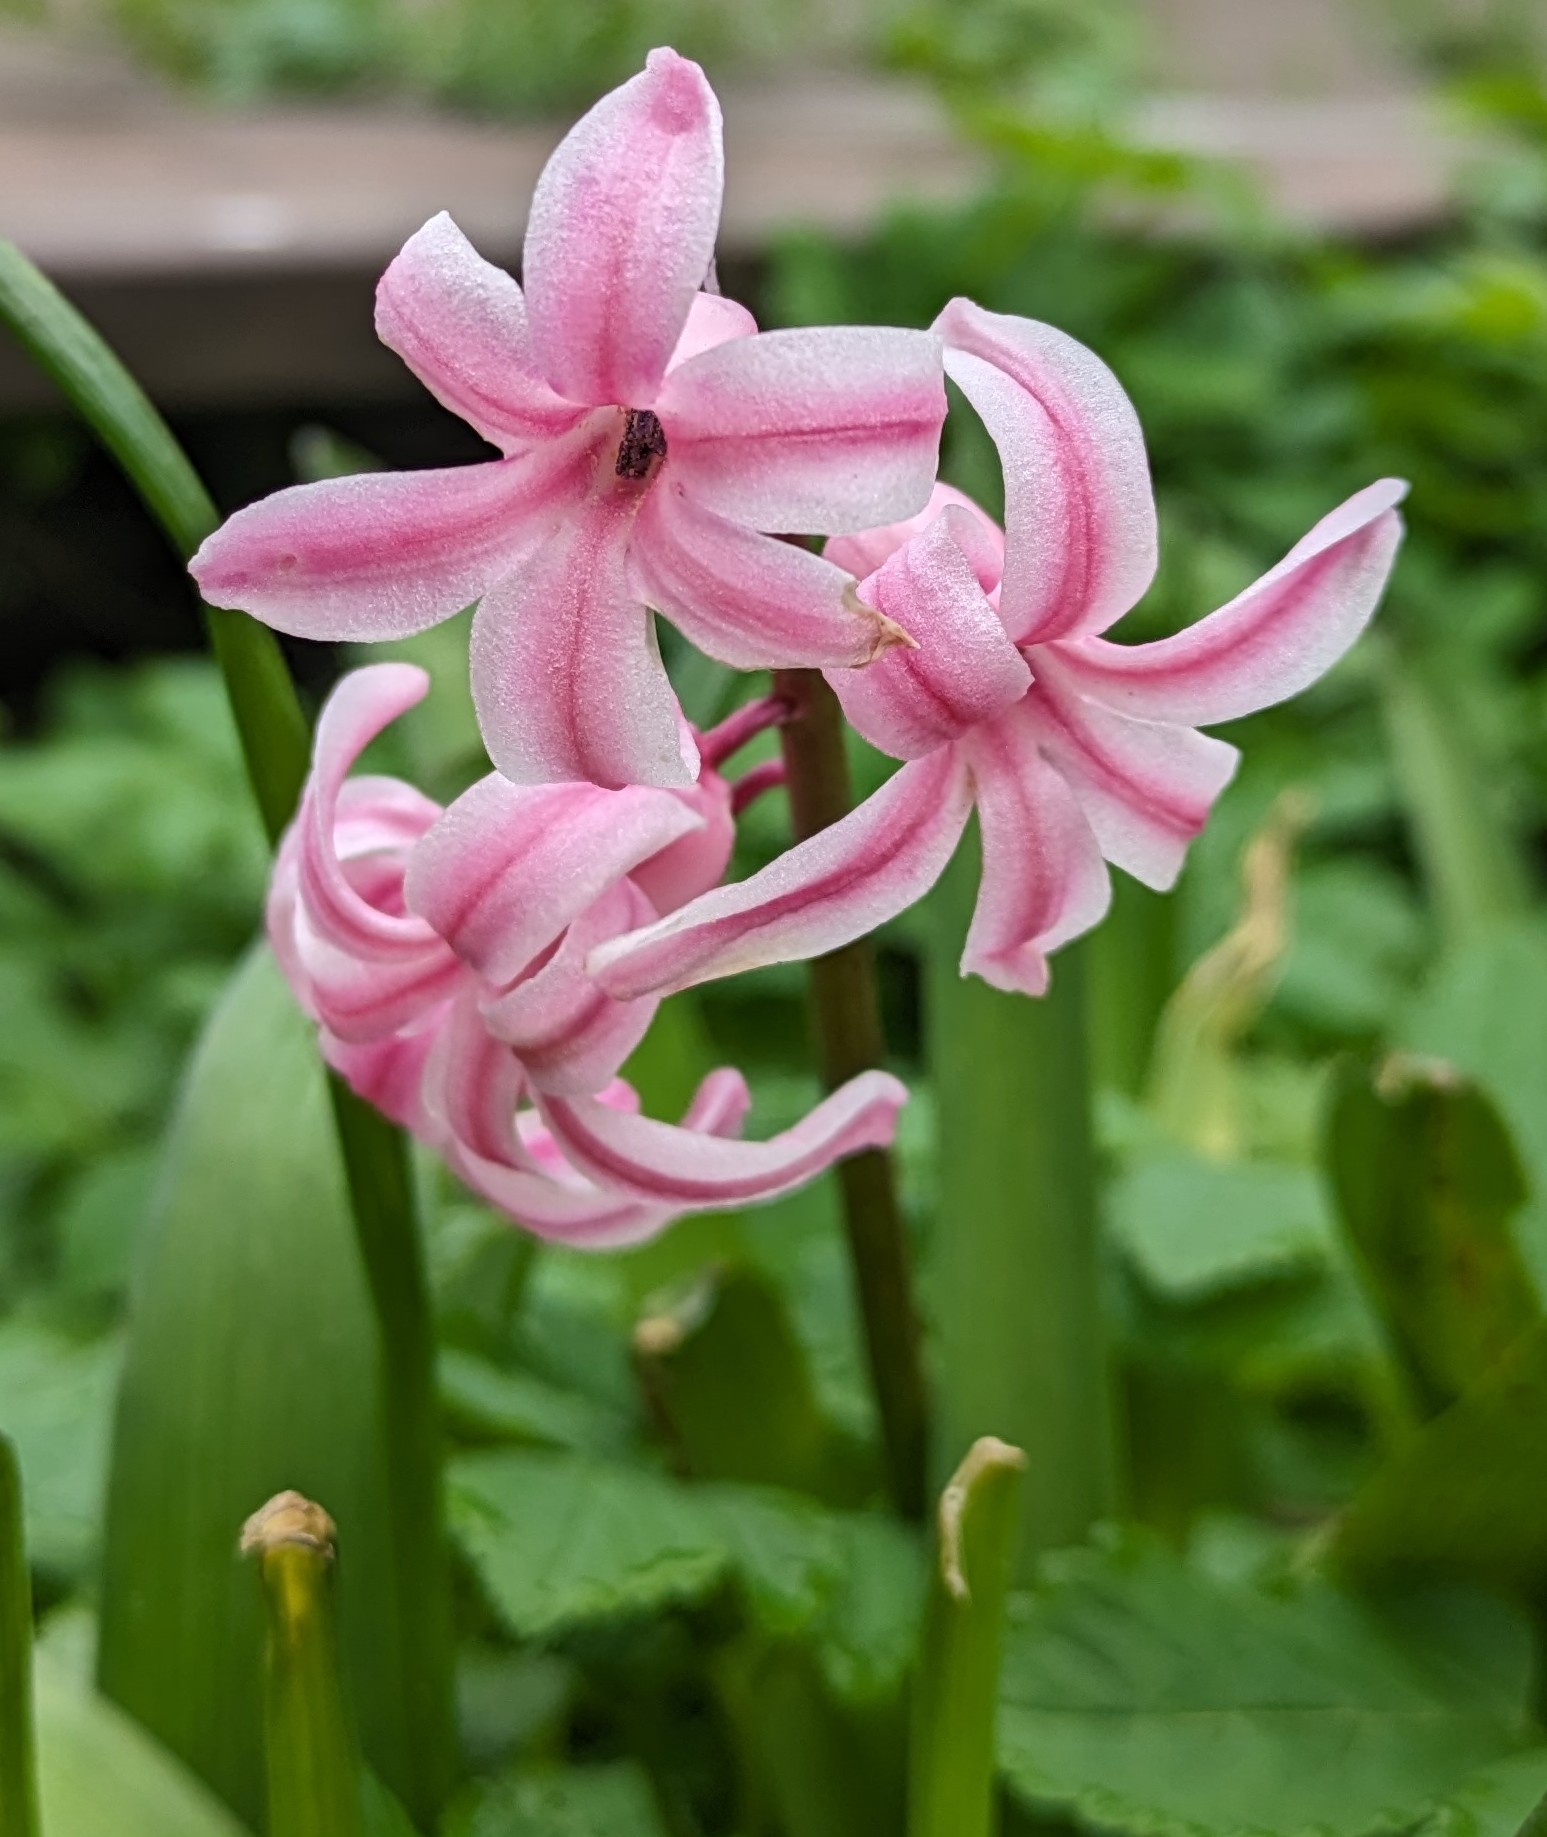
(987, 1455)
(885, 633)
(289, 1518)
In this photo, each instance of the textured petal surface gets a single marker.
(834, 428)
(567, 678)
(964, 670)
(570, 1035)
(387, 1073)
(864, 551)
(1146, 787)
(824, 892)
(472, 1084)
(622, 232)
(459, 323)
(509, 866)
(683, 1168)
(1272, 640)
(1044, 881)
(749, 600)
(712, 320)
(384, 554)
(1079, 512)
(697, 861)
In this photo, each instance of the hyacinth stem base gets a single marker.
(18, 1755)
(847, 1017)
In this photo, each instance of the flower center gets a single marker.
(643, 442)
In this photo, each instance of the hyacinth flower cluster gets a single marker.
(481, 973)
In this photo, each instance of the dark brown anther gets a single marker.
(643, 442)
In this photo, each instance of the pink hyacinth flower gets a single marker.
(648, 435)
(442, 954)
(1076, 751)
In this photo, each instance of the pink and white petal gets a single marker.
(696, 861)
(1269, 642)
(622, 232)
(361, 999)
(827, 429)
(1146, 787)
(862, 553)
(1044, 881)
(384, 554)
(388, 1074)
(822, 893)
(684, 1168)
(459, 323)
(1079, 512)
(570, 1035)
(472, 1084)
(746, 599)
(712, 319)
(508, 867)
(567, 676)
(964, 669)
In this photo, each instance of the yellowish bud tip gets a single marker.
(288, 1518)
(985, 1456)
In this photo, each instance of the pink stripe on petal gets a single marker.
(567, 676)
(1270, 641)
(746, 599)
(1146, 787)
(862, 553)
(621, 234)
(682, 1168)
(1044, 881)
(388, 1074)
(824, 892)
(509, 866)
(384, 554)
(697, 861)
(472, 1084)
(1079, 512)
(908, 702)
(459, 323)
(570, 1035)
(833, 428)
(712, 320)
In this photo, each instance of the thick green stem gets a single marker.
(18, 1741)
(315, 1774)
(276, 749)
(847, 1015)
(1019, 1326)
(955, 1699)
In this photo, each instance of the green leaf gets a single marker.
(1466, 1495)
(1194, 1227)
(251, 1367)
(103, 1776)
(488, 1402)
(1495, 1802)
(1428, 1185)
(56, 1403)
(611, 1801)
(1141, 1696)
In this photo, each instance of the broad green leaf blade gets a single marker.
(611, 1801)
(1496, 1802)
(251, 1367)
(1428, 1185)
(56, 1404)
(1467, 1495)
(103, 1776)
(1141, 1696)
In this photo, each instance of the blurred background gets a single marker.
(1311, 238)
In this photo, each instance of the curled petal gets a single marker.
(865, 551)
(459, 323)
(834, 428)
(384, 554)
(388, 1074)
(1079, 513)
(509, 866)
(1146, 787)
(567, 678)
(824, 892)
(712, 319)
(472, 1084)
(569, 1034)
(1044, 881)
(622, 233)
(1269, 642)
(696, 861)
(963, 669)
(748, 600)
(682, 1168)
